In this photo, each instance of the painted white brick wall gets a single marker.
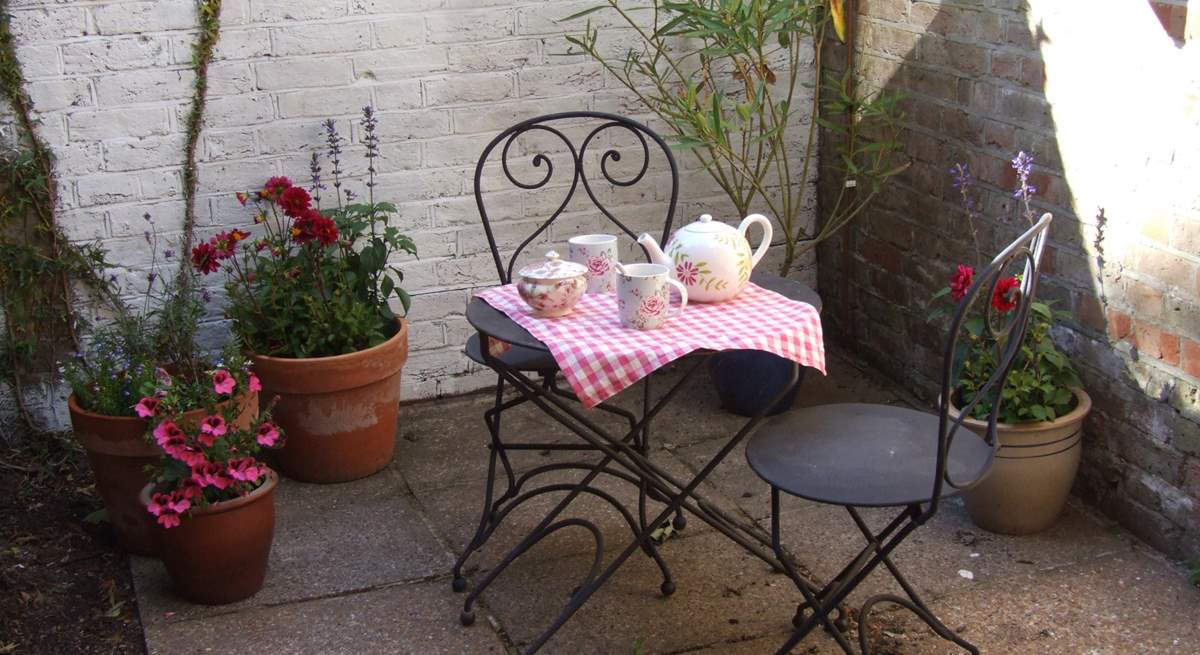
(110, 83)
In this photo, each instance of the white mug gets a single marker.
(644, 295)
(598, 252)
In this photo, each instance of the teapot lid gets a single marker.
(706, 225)
(552, 268)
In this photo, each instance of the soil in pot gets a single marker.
(219, 553)
(338, 413)
(118, 453)
(1031, 477)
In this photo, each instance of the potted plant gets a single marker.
(723, 77)
(310, 299)
(212, 498)
(1043, 406)
(125, 359)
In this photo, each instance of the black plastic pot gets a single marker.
(746, 380)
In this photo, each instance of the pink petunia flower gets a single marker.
(168, 508)
(166, 431)
(214, 426)
(246, 469)
(146, 407)
(254, 384)
(267, 434)
(210, 474)
(223, 382)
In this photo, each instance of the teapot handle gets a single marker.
(768, 232)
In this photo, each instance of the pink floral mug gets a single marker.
(598, 252)
(644, 295)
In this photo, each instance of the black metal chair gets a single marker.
(540, 362)
(858, 455)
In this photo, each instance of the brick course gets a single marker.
(975, 81)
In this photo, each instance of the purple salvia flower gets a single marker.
(168, 253)
(205, 295)
(146, 234)
(314, 170)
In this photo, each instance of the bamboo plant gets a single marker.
(723, 74)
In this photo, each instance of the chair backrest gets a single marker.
(1008, 333)
(552, 124)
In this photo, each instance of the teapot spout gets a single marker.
(657, 256)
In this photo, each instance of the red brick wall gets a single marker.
(974, 82)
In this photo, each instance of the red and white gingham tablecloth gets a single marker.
(599, 357)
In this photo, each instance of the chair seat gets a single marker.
(861, 455)
(518, 357)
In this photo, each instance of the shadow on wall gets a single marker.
(1101, 100)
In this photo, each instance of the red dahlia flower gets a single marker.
(1008, 291)
(294, 201)
(275, 187)
(960, 282)
(204, 258)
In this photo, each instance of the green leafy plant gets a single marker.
(318, 282)
(1040, 386)
(128, 355)
(724, 74)
(1194, 566)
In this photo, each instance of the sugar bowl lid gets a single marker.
(552, 268)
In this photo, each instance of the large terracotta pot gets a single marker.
(118, 453)
(338, 413)
(219, 553)
(1032, 474)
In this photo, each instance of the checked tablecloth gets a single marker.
(599, 357)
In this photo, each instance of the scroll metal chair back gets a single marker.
(568, 167)
(1006, 331)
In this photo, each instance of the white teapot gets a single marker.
(710, 258)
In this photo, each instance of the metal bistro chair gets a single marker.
(859, 455)
(540, 362)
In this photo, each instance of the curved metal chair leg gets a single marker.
(919, 610)
(468, 615)
(492, 419)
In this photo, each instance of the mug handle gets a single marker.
(682, 297)
(620, 269)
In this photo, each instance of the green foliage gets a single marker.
(723, 75)
(1194, 575)
(1039, 386)
(126, 355)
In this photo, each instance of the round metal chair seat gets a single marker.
(518, 357)
(861, 455)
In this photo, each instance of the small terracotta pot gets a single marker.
(118, 453)
(1031, 477)
(219, 553)
(338, 413)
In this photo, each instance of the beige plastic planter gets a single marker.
(1032, 474)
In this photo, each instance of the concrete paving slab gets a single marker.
(723, 595)
(938, 557)
(329, 539)
(1132, 602)
(416, 619)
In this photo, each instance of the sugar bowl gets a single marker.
(553, 286)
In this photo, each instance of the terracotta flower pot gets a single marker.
(1032, 474)
(118, 453)
(219, 553)
(338, 413)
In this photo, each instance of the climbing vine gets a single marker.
(38, 264)
(208, 14)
